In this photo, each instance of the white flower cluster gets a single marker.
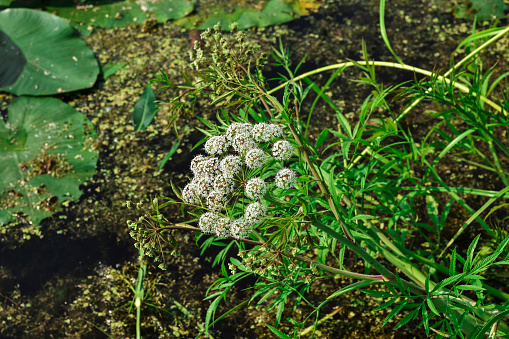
(286, 178)
(282, 150)
(219, 174)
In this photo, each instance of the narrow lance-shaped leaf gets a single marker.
(145, 109)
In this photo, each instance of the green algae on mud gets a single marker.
(128, 171)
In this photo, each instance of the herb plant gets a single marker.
(292, 206)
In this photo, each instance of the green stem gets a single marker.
(387, 275)
(138, 295)
(500, 170)
(376, 278)
(319, 180)
(459, 86)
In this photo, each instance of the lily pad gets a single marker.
(119, 14)
(46, 154)
(13, 61)
(57, 60)
(483, 9)
(265, 13)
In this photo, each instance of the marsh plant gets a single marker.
(288, 209)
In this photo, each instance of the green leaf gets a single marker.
(470, 288)
(13, 61)
(378, 294)
(211, 311)
(349, 288)
(280, 309)
(448, 281)
(470, 253)
(432, 306)
(111, 69)
(279, 333)
(169, 154)
(321, 139)
(362, 217)
(383, 32)
(120, 14)
(57, 60)
(275, 12)
(452, 266)
(145, 109)
(410, 316)
(386, 304)
(46, 154)
(432, 207)
(425, 319)
(395, 311)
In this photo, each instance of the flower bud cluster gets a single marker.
(222, 54)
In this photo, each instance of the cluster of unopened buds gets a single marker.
(223, 174)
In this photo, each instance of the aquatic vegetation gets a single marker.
(479, 9)
(145, 109)
(95, 13)
(262, 14)
(47, 151)
(55, 59)
(358, 186)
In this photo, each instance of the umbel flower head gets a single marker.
(282, 150)
(236, 129)
(207, 222)
(286, 178)
(243, 142)
(256, 158)
(219, 178)
(231, 165)
(264, 132)
(255, 188)
(255, 212)
(240, 228)
(216, 145)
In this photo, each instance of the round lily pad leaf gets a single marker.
(119, 14)
(46, 154)
(57, 60)
(13, 61)
(263, 13)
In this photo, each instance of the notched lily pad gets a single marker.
(57, 60)
(46, 154)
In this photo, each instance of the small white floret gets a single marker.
(216, 145)
(216, 200)
(237, 128)
(231, 165)
(255, 188)
(255, 212)
(240, 228)
(282, 150)
(255, 158)
(286, 178)
(207, 222)
(222, 227)
(243, 142)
